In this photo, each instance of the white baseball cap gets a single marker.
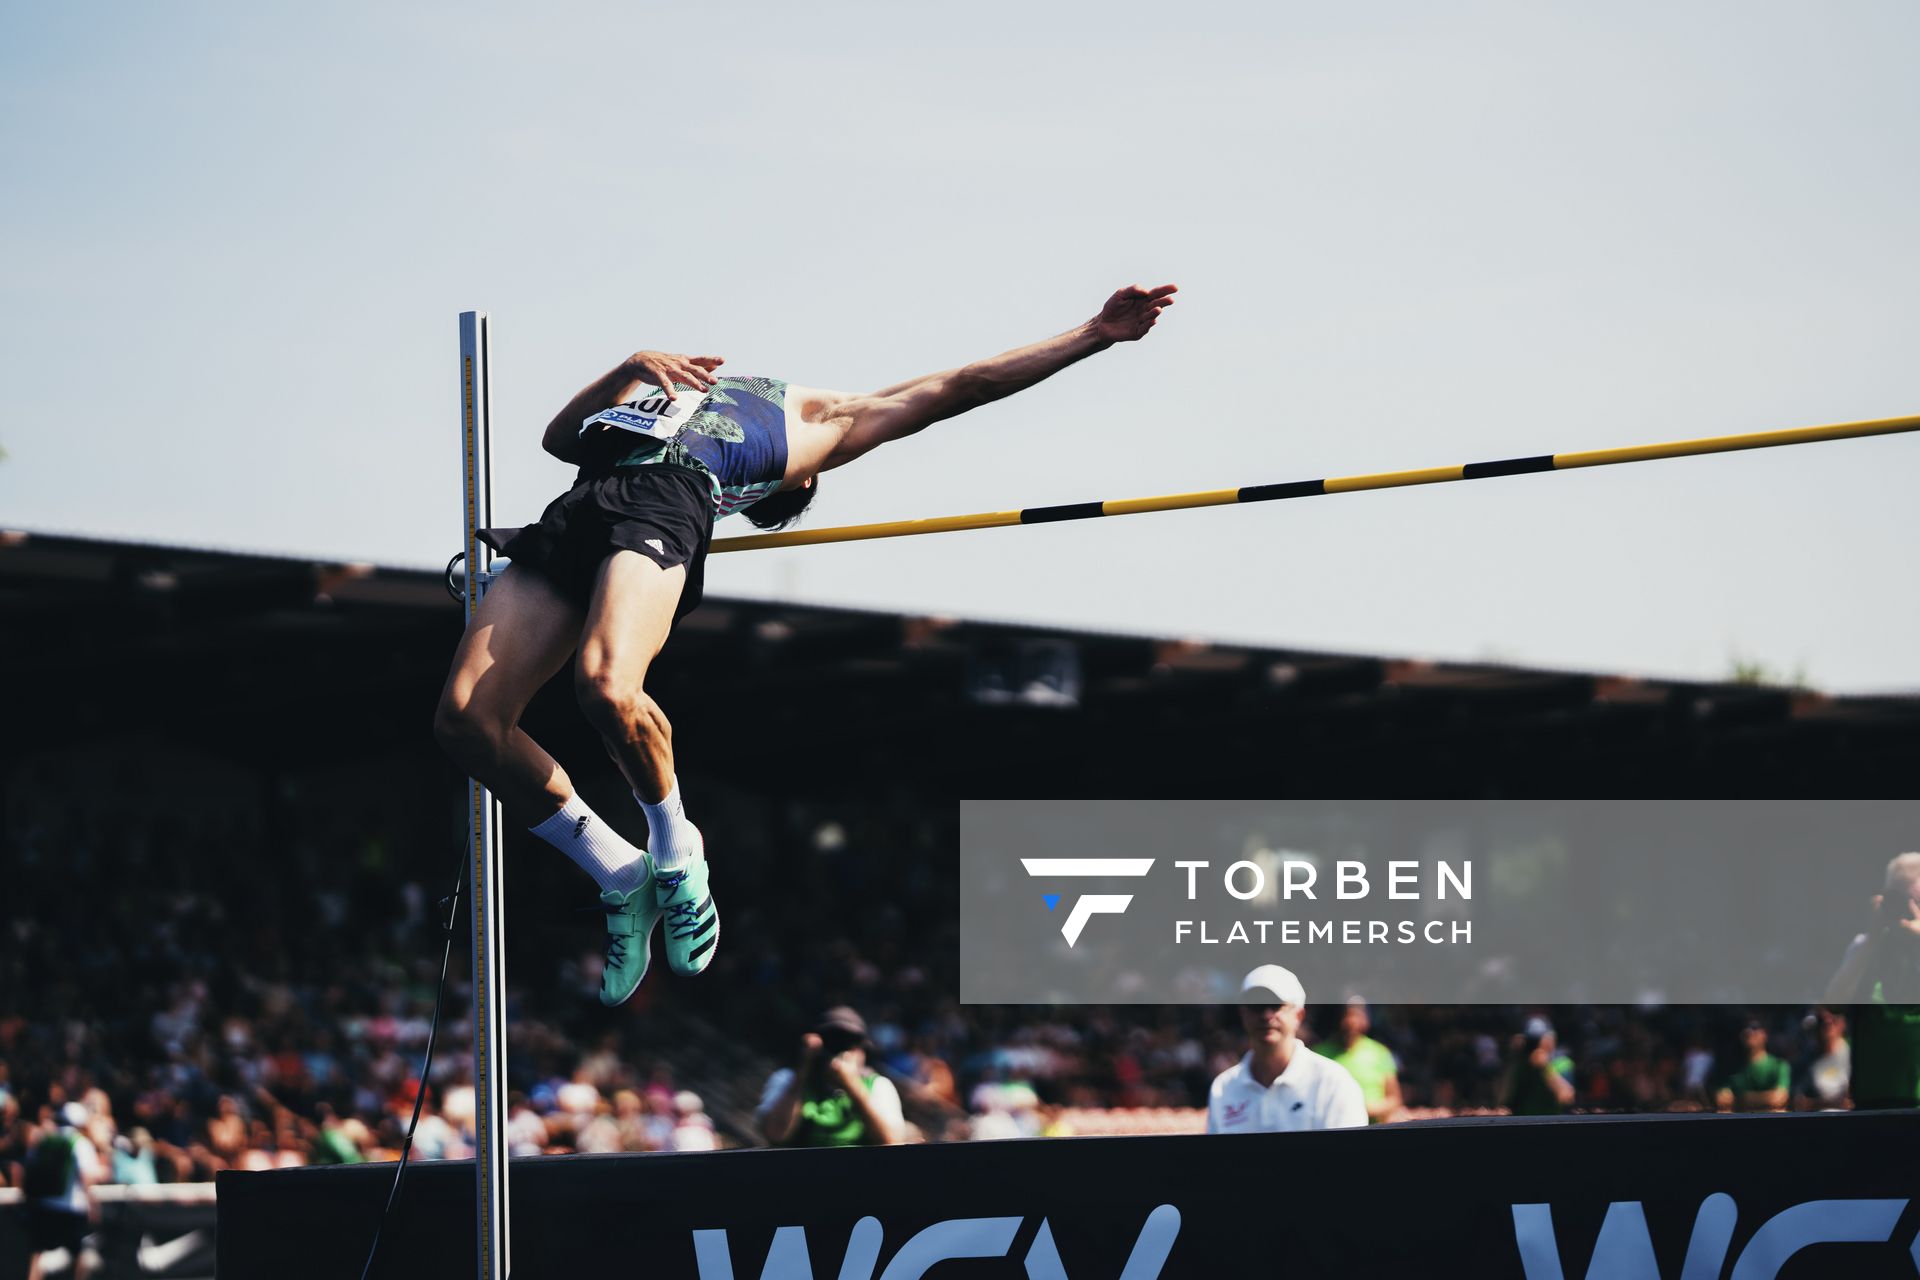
(1272, 980)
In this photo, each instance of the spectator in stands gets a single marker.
(630, 1119)
(831, 1097)
(1280, 1085)
(1367, 1060)
(1539, 1076)
(694, 1130)
(1696, 1071)
(929, 1075)
(227, 1130)
(1823, 1082)
(336, 1141)
(600, 1135)
(134, 1163)
(657, 1118)
(13, 1136)
(1880, 978)
(1006, 1109)
(526, 1131)
(1761, 1081)
(58, 1185)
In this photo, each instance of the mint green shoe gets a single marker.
(693, 923)
(630, 920)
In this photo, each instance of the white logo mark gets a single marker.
(1092, 904)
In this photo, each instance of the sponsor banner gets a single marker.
(1655, 1198)
(1441, 902)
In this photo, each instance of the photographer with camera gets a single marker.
(1880, 978)
(831, 1097)
(1539, 1078)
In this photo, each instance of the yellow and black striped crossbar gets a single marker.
(1313, 488)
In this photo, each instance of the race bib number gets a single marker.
(652, 413)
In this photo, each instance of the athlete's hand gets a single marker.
(666, 370)
(1131, 312)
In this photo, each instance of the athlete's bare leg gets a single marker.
(519, 638)
(627, 623)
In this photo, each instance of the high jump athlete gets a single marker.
(666, 446)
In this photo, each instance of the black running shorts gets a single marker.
(664, 512)
(50, 1228)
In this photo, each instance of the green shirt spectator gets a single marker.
(1762, 1082)
(831, 1097)
(1367, 1060)
(1765, 1074)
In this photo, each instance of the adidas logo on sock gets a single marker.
(581, 825)
(657, 545)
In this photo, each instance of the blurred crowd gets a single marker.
(249, 984)
(225, 968)
(1017, 1078)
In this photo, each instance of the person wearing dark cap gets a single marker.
(831, 1097)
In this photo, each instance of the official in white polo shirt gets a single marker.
(1281, 1085)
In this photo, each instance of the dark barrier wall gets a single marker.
(1746, 1198)
(145, 1232)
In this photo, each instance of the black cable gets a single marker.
(420, 1095)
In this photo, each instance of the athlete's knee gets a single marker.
(619, 708)
(466, 733)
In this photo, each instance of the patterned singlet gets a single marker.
(736, 436)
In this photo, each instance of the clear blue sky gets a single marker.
(236, 239)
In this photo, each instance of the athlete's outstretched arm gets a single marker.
(907, 407)
(616, 386)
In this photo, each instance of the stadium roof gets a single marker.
(230, 649)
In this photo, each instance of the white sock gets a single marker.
(672, 841)
(601, 852)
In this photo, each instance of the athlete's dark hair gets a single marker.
(778, 510)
